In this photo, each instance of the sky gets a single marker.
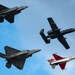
(24, 34)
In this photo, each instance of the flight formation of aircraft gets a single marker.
(17, 58)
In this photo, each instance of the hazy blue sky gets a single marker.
(24, 34)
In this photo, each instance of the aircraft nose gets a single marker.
(25, 7)
(74, 29)
(35, 51)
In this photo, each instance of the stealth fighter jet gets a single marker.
(56, 33)
(9, 13)
(17, 57)
(60, 61)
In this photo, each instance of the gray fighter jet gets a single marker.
(56, 33)
(9, 13)
(17, 57)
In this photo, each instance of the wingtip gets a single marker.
(49, 18)
(5, 47)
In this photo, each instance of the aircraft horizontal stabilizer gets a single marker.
(2, 55)
(44, 37)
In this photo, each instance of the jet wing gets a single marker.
(63, 42)
(9, 18)
(52, 24)
(57, 57)
(10, 51)
(62, 66)
(19, 63)
(3, 7)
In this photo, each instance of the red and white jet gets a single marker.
(59, 61)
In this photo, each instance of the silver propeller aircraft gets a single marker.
(56, 33)
(17, 57)
(9, 13)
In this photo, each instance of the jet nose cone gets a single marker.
(34, 51)
(73, 29)
(37, 50)
(25, 7)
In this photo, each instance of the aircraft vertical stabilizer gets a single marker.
(52, 65)
(2, 55)
(44, 37)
